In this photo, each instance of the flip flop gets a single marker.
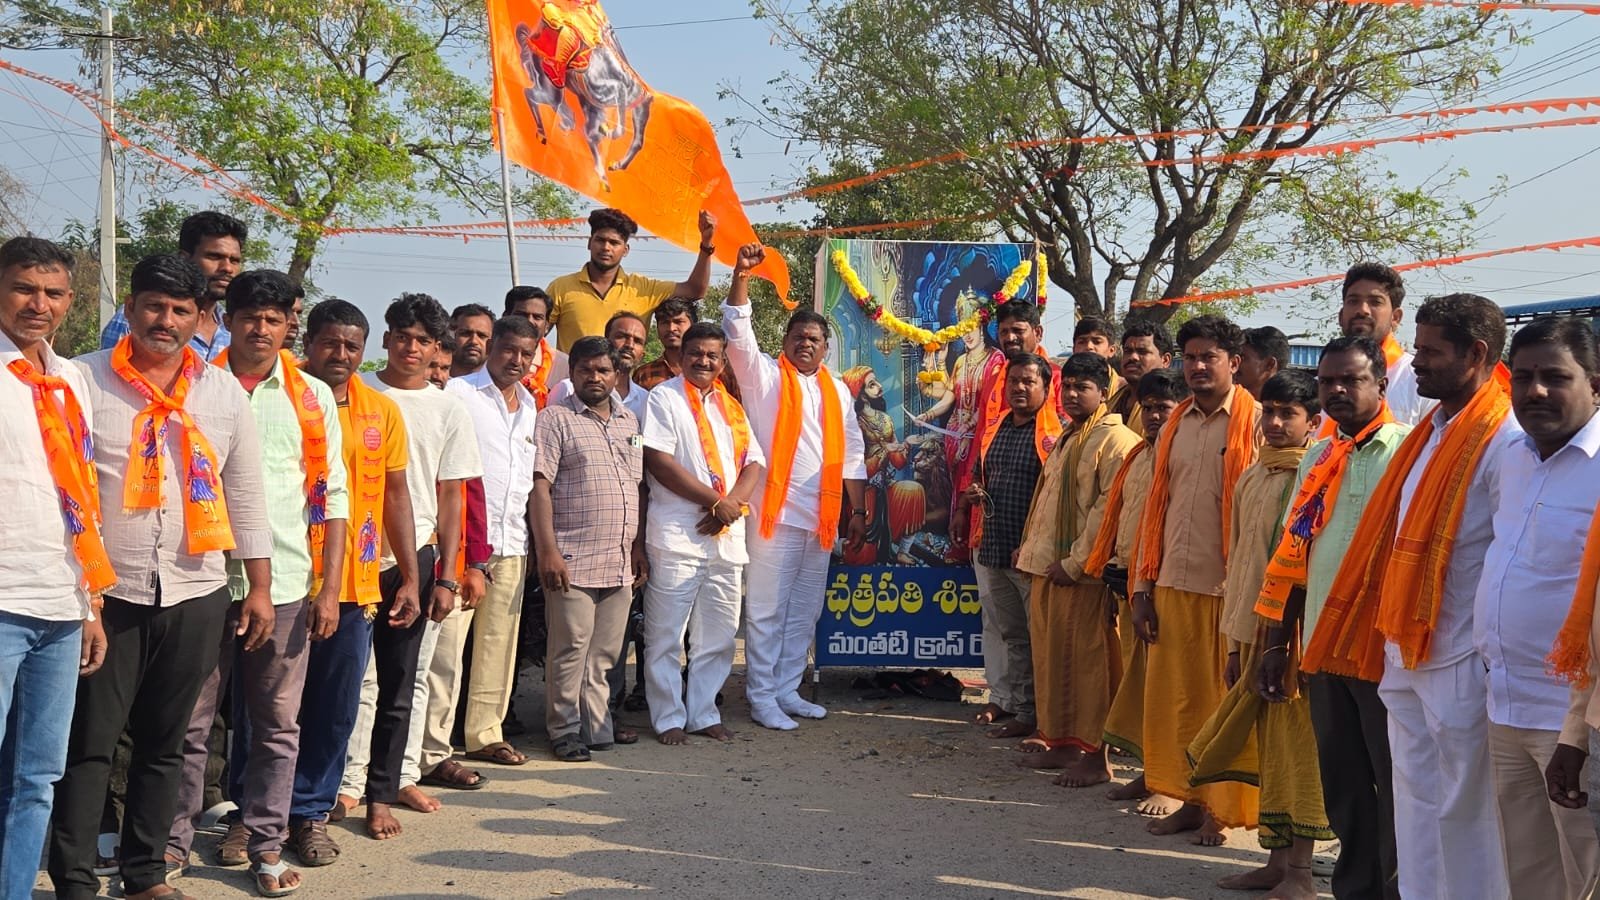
(500, 753)
(275, 871)
(453, 775)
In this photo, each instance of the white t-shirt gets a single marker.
(1408, 407)
(443, 447)
(670, 427)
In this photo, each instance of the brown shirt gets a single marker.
(594, 466)
(1125, 403)
(1191, 554)
(1134, 492)
(1258, 504)
(1104, 448)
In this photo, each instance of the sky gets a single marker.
(50, 144)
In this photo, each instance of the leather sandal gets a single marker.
(570, 749)
(311, 842)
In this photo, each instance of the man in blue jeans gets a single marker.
(47, 633)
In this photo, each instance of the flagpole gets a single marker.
(505, 197)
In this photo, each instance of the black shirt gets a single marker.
(1008, 472)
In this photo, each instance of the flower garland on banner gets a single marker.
(933, 340)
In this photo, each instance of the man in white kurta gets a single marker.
(790, 568)
(694, 586)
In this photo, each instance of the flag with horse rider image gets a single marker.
(574, 110)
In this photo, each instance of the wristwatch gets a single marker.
(858, 512)
(481, 567)
(451, 586)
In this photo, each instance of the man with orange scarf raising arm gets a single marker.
(1177, 584)
(1400, 609)
(179, 463)
(805, 421)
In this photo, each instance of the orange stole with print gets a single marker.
(733, 413)
(366, 460)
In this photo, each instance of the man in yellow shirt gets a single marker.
(582, 302)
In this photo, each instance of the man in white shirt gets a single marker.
(810, 470)
(1372, 296)
(1437, 702)
(502, 412)
(704, 466)
(48, 634)
(1549, 487)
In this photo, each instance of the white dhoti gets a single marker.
(788, 577)
(698, 598)
(1446, 833)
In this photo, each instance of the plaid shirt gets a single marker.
(1008, 472)
(118, 327)
(594, 467)
(658, 370)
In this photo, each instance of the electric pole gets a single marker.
(108, 172)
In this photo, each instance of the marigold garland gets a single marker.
(930, 340)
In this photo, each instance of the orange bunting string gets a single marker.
(1588, 8)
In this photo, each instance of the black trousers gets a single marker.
(1352, 728)
(394, 653)
(155, 663)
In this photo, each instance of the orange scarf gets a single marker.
(1105, 543)
(1392, 351)
(538, 381)
(995, 410)
(313, 454)
(1243, 418)
(1392, 578)
(1569, 658)
(1313, 505)
(733, 414)
(366, 461)
(786, 436)
(69, 448)
(205, 509)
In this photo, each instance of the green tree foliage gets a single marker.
(901, 80)
(332, 110)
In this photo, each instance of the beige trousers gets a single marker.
(1551, 852)
(494, 651)
(438, 710)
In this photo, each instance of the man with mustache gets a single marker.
(1012, 450)
(371, 625)
(55, 567)
(215, 242)
(673, 319)
(803, 417)
(1372, 297)
(1400, 611)
(1146, 347)
(1549, 488)
(307, 508)
(704, 467)
(473, 325)
(178, 458)
(1265, 354)
(503, 417)
(549, 364)
(582, 302)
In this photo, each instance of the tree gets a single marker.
(331, 110)
(1014, 85)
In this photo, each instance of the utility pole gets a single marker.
(108, 172)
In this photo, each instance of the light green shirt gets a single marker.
(284, 474)
(1362, 471)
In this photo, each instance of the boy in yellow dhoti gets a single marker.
(1115, 547)
(1075, 647)
(1178, 582)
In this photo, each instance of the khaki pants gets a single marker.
(494, 651)
(1551, 851)
(585, 626)
(438, 706)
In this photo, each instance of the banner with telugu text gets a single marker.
(908, 598)
(577, 112)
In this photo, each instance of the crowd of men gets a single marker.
(1354, 603)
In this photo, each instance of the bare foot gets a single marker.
(990, 713)
(1209, 834)
(1133, 790)
(1263, 879)
(413, 798)
(718, 731)
(381, 823)
(1158, 805)
(342, 807)
(1297, 884)
(1037, 756)
(1189, 817)
(1015, 728)
(1086, 771)
(673, 737)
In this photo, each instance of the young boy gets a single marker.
(1074, 644)
(1159, 393)
(1245, 738)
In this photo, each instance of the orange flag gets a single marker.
(576, 112)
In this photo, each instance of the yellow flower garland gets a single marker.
(930, 340)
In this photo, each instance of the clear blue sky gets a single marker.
(54, 151)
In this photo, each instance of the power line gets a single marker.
(685, 22)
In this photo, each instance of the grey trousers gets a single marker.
(585, 628)
(1007, 645)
